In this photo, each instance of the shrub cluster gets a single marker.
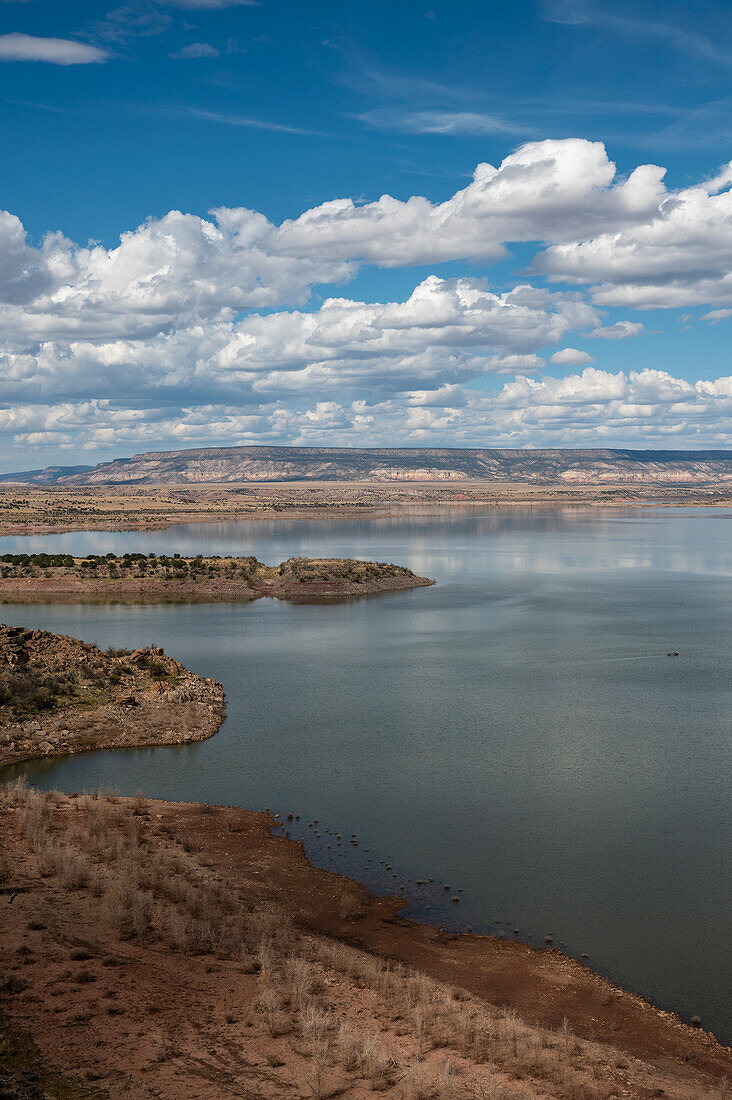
(28, 690)
(42, 561)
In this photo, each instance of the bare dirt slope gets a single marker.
(183, 951)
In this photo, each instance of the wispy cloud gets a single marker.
(412, 104)
(621, 330)
(134, 19)
(402, 102)
(143, 18)
(196, 50)
(211, 5)
(369, 77)
(717, 315)
(441, 122)
(686, 39)
(704, 126)
(56, 51)
(246, 121)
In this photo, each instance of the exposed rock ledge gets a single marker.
(59, 696)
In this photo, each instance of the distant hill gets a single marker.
(384, 464)
(48, 476)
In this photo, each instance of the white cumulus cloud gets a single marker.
(638, 409)
(678, 255)
(181, 268)
(571, 357)
(447, 330)
(194, 329)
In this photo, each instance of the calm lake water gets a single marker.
(517, 731)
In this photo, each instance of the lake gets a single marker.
(518, 731)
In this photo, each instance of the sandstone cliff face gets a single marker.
(263, 464)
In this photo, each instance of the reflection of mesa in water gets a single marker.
(490, 732)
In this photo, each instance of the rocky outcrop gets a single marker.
(60, 696)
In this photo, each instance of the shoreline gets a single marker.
(142, 509)
(544, 985)
(238, 847)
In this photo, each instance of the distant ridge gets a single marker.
(392, 464)
(48, 476)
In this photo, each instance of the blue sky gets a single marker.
(569, 297)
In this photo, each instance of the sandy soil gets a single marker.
(314, 996)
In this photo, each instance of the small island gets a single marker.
(151, 578)
(59, 696)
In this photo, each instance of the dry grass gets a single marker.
(354, 1020)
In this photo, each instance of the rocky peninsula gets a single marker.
(59, 696)
(151, 578)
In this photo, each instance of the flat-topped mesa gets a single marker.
(60, 695)
(260, 464)
(151, 578)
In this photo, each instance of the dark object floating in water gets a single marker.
(672, 654)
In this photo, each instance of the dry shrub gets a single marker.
(319, 1054)
(377, 1062)
(121, 901)
(272, 1006)
(315, 1024)
(348, 1044)
(269, 925)
(56, 857)
(13, 793)
(72, 868)
(302, 979)
(35, 816)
